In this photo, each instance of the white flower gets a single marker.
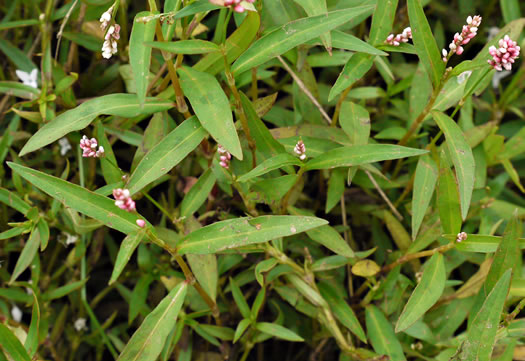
(16, 313)
(64, 146)
(70, 239)
(28, 78)
(80, 324)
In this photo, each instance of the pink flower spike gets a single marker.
(395, 40)
(123, 199)
(300, 149)
(468, 32)
(505, 55)
(141, 223)
(224, 156)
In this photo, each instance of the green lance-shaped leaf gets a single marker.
(481, 243)
(424, 185)
(426, 293)
(481, 334)
(462, 158)
(507, 255)
(147, 342)
(278, 331)
(267, 145)
(14, 201)
(342, 40)
(361, 154)
(313, 8)
(80, 199)
(331, 239)
(185, 46)
(382, 21)
(381, 334)
(173, 148)
(279, 161)
(122, 105)
(243, 231)
(244, 309)
(235, 45)
(448, 201)
(27, 255)
(11, 346)
(140, 54)
(342, 310)
(31, 343)
(125, 251)
(355, 121)
(18, 90)
(198, 193)
(358, 65)
(204, 267)
(211, 107)
(292, 34)
(426, 46)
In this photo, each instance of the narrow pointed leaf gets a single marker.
(204, 267)
(28, 253)
(173, 148)
(481, 243)
(381, 334)
(140, 54)
(122, 105)
(481, 334)
(361, 154)
(198, 193)
(243, 231)
(241, 327)
(147, 342)
(462, 158)
(424, 185)
(424, 41)
(342, 40)
(382, 21)
(355, 121)
(342, 311)
(211, 107)
(125, 251)
(80, 199)
(426, 293)
(292, 34)
(185, 46)
(317, 7)
(31, 343)
(278, 331)
(270, 164)
(331, 239)
(358, 65)
(448, 202)
(11, 346)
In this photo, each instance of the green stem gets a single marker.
(412, 256)
(157, 204)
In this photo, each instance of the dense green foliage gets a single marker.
(277, 179)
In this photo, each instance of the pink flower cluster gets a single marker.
(468, 32)
(123, 199)
(399, 38)
(89, 148)
(505, 55)
(300, 150)
(236, 4)
(225, 157)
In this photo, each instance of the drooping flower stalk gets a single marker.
(505, 55)
(469, 31)
(395, 40)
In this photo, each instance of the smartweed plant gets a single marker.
(261, 180)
